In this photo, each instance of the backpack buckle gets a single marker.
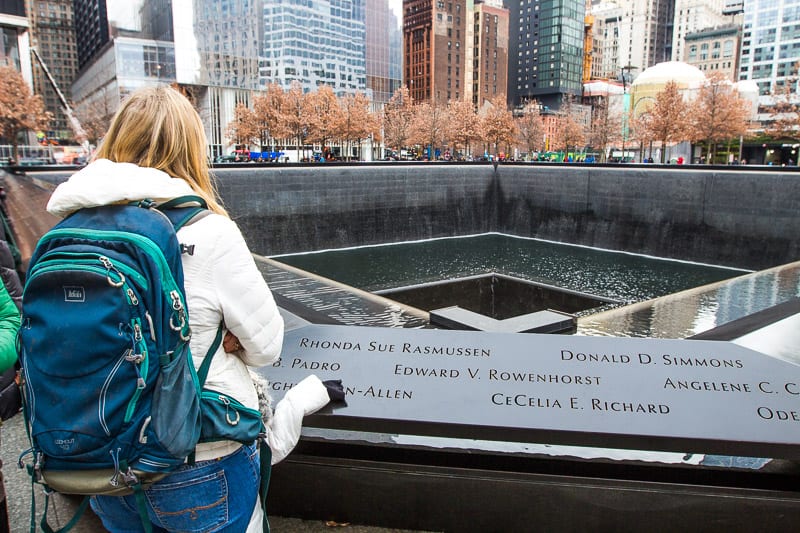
(146, 203)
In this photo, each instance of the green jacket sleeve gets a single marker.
(9, 324)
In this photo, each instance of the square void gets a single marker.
(497, 296)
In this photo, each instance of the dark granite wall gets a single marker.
(742, 217)
(747, 219)
(297, 209)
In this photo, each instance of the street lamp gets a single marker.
(625, 73)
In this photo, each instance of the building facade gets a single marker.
(15, 37)
(435, 49)
(487, 58)
(546, 50)
(715, 50)
(633, 35)
(692, 16)
(53, 36)
(218, 52)
(770, 44)
(91, 28)
(315, 43)
(384, 52)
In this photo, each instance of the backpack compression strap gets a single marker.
(202, 372)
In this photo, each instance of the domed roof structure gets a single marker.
(685, 75)
(648, 84)
(748, 89)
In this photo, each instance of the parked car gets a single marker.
(233, 157)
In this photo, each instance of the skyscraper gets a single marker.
(91, 28)
(770, 44)
(220, 51)
(455, 50)
(487, 58)
(636, 34)
(315, 43)
(53, 35)
(384, 52)
(691, 16)
(545, 50)
(227, 36)
(434, 49)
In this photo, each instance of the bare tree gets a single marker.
(665, 118)
(268, 114)
(95, 120)
(324, 114)
(295, 119)
(718, 114)
(606, 127)
(356, 123)
(19, 109)
(429, 126)
(463, 124)
(569, 132)
(531, 128)
(398, 114)
(242, 129)
(497, 123)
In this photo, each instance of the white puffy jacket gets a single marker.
(222, 284)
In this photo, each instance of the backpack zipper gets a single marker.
(51, 258)
(137, 359)
(101, 402)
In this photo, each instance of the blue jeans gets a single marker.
(216, 495)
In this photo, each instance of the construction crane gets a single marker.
(75, 124)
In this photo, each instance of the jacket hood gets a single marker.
(105, 182)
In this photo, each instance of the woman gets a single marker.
(155, 149)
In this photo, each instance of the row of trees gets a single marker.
(715, 115)
(319, 118)
(456, 125)
(322, 118)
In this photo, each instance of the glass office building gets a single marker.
(545, 50)
(770, 43)
(315, 43)
(219, 51)
(384, 46)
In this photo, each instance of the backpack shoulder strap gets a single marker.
(184, 210)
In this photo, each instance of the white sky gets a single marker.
(397, 7)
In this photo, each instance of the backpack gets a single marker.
(111, 398)
(110, 394)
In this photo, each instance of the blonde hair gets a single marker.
(157, 127)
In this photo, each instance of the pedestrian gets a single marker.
(9, 324)
(155, 148)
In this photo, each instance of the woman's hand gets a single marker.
(230, 343)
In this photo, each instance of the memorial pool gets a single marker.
(619, 276)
